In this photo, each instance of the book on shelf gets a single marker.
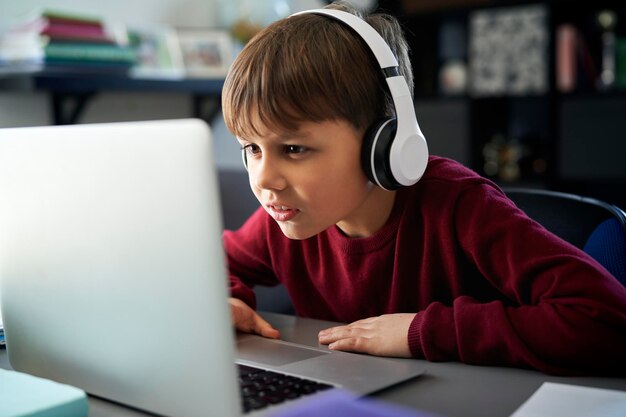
(69, 33)
(576, 68)
(566, 35)
(18, 49)
(76, 40)
(88, 52)
(71, 27)
(587, 69)
(68, 17)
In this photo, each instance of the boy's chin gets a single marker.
(296, 233)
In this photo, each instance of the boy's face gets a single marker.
(311, 179)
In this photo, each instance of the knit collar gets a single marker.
(382, 237)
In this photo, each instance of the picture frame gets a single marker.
(205, 53)
(508, 51)
(158, 54)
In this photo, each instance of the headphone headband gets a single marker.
(382, 52)
(394, 151)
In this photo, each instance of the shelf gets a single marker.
(546, 138)
(71, 90)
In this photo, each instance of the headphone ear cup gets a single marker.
(375, 153)
(244, 159)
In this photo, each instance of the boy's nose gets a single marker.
(267, 175)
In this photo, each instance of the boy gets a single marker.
(446, 269)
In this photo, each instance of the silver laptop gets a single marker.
(113, 275)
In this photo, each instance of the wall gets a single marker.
(31, 109)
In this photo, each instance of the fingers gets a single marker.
(263, 328)
(247, 320)
(353, 344)
(332, 335)
(347, 338)
(384, 335)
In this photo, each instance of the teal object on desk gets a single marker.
(24, 395)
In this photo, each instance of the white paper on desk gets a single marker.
(562, 400)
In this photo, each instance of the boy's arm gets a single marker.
(248, 258)
(248, 264)
(564, 312)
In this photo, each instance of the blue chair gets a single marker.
(592, 225)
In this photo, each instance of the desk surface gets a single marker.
(447, 389)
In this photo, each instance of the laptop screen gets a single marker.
(111, 263)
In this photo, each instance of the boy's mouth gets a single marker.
(281, 213)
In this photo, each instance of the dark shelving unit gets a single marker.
(573, 141)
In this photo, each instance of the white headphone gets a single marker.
(394, 152)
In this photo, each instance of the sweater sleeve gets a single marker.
(248, 258)
(560, 311)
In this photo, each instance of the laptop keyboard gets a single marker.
(261, 388)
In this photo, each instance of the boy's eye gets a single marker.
(295, 149)
(251, 149)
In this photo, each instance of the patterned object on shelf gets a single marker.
(509, 51)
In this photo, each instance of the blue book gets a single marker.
(24, 395)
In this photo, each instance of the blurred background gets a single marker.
(525, 93)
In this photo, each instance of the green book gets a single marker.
(24, 395)
(90, 52)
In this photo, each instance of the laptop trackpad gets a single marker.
(273, 352)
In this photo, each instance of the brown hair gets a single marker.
(311, 68)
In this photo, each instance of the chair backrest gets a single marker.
(592, 225)
(238, 201)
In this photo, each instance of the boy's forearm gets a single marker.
(554, 338)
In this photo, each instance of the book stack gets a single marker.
(66, 41)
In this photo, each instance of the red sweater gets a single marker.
(489, 285)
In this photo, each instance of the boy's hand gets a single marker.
(385, 335)
(247, 320)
